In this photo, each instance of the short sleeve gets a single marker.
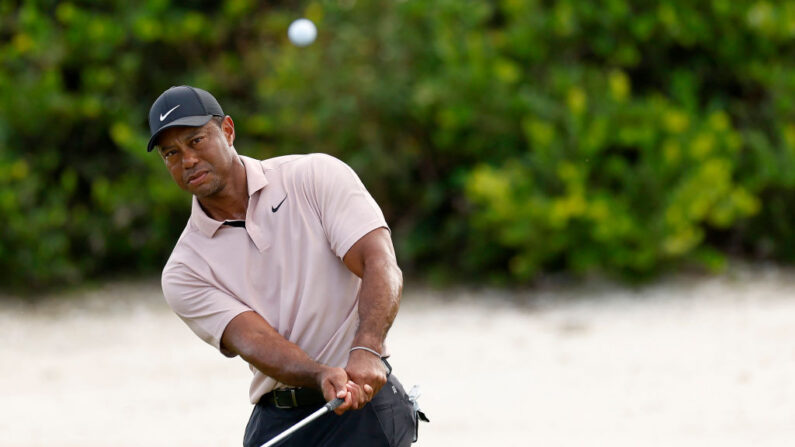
(347, 210)
(205, 309)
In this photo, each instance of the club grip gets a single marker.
(332, 405)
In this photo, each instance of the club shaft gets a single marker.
(320, 412)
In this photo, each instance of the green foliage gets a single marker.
(502, 139)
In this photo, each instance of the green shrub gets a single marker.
(651, 133)
(503, 139)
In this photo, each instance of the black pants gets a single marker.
(387, 420)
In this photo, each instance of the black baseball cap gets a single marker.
(181, 106)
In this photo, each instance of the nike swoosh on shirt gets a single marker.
(163, 116)
(279, 205)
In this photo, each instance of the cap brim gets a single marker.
(187, 121)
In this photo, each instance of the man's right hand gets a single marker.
(334, 383)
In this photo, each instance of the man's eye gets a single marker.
(197, 140)
(169, 153)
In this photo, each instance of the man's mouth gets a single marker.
(197, 177)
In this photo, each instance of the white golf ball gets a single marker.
(302, 32)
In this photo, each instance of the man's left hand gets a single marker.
(367, 370)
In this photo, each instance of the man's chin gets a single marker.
(204, 190)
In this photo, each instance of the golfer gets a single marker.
(288, 263)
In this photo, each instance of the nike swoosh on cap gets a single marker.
(162, 116)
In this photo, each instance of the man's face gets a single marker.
(200, 159)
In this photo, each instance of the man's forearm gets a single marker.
(379, 300)
(249, 336)
(285, 362)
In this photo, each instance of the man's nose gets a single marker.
(189, 158)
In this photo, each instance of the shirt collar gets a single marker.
(255, 174)
(255, 179)
(205, 223)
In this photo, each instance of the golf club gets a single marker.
(330, 406)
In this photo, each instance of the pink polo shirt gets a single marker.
(304, 213)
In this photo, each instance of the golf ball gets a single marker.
(302, 32)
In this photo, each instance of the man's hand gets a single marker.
(366, 370)
(334, 383)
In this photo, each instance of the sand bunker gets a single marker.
(686, 361)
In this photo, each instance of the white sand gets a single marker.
(686, 361)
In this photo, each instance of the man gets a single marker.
(289, 264)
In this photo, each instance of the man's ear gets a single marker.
(228, 129)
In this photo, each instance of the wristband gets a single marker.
(373, 351)
(364, 348)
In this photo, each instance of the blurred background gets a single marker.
(603, 164)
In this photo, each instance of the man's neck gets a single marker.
(231, 202)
